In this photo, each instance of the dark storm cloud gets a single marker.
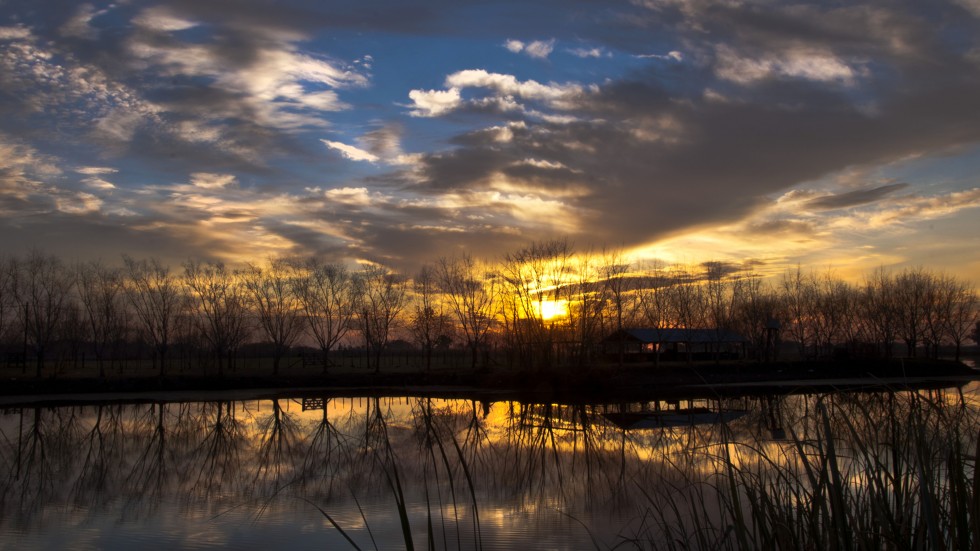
(854, 198)
(876, 86)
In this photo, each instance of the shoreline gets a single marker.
(632, 382)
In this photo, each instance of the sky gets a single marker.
(834, 135)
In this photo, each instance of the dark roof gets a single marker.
(653, 335)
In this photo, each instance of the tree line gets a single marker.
(542, 306)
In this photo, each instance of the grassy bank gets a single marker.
(627, 381)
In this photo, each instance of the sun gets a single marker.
(551, 309)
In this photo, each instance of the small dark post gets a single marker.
(772, 333)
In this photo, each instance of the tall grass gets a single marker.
(899, 472)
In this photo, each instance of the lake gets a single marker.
(326, 472)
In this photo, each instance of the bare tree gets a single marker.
(471, 290)
(538, 274)
(587, 305)
(429, 322)
(799, 293)
(100, 290)
(384, 297)
(157, 299)
(44, 292)
(689, 303)
(879, 310)
(222, 308)
(8, 292)
(656, 305)
(270, 294)
(912, 289)
(757, 315)
(832, 307)
(963, 315)
(619, 290)
(329, 297)
(722, 285)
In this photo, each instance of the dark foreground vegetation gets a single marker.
(541, 314)
(607, 381)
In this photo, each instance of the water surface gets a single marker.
(322, 472)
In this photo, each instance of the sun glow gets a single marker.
(551, 309)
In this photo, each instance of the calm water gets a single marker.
(308, 473)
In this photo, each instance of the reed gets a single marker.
(895, 475)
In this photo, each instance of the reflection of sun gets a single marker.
(550, 309)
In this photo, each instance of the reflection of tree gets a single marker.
(99, 454)
(152, 475)
(34, 467)
(325, 452)
(448, 463)
(460, 468)
(218, 456)
(278, 449)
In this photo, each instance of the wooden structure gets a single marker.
(642, 344)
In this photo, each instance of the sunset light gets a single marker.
(526, 274)
(552, 309)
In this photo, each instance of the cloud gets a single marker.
(95, 170)
(539, 49)
(915, 208)
(854, 198)
(359, 196)
(673, 55)
(515, 46)
(806, 64)
(162, 19)
(15, 33)
(589, 52)
(78, 203)
(506, 94)
(509, 85)
(24, 169)
(432, 103)
(351, 152)
(280, 86)
(98, 183)
(740, 112)
(79, 25)
(207, 180)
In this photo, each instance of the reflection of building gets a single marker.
(676, 344)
